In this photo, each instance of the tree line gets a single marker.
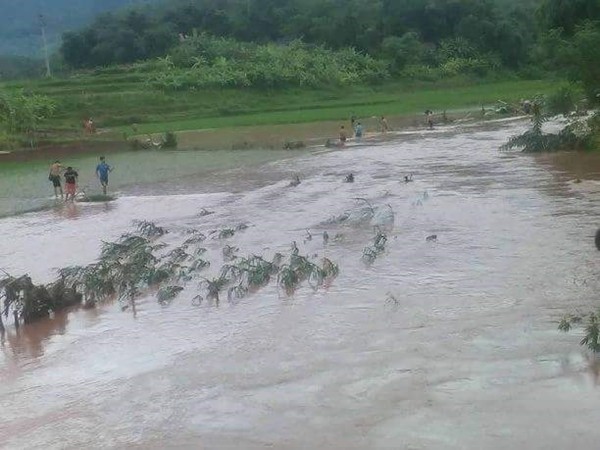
(402, 31)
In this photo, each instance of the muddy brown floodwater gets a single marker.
(468, 356)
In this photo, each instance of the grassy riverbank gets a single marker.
(125, 104)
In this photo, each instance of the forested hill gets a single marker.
(20, 23)
(502, 28)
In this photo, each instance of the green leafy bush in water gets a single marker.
(130, 266)
(149, 229)
(300, 269)
(205, 61)
(591, 327)
(29, 302)
(371, 252)
(577, 135)
(169, 140)
(563, 101)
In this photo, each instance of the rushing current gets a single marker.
(447, 344)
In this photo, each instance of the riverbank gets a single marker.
(123, 107)
(275, 136)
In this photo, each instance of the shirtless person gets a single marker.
(54, 176)
(384, 125)
(343, 136)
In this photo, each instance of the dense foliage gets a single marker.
(21, 114)
(205, 61)
(403, 32)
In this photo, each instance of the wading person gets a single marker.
(54, 177)
(343, 136)
(102, 171)
(429, 118)
(70, 183)
(358, 131)
(384, 125)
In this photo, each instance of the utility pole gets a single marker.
(45, 44)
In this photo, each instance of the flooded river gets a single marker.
(438, 345)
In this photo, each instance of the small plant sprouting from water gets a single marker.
(230, 252)
(167, 294)
(214, 286)
(195, 239)
(205, 212)
(372, 252)
(248, 275)
(300, 269)
(169, 140)
(149, 229)
(591, 326)
(199, 264)
(391, 299)
(226, 233)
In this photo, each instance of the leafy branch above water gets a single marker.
(591, 326)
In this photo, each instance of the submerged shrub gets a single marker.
(563, 101)
(371, 252)
(578, 134)
(591, 327)
(166, 294)
(169, 140)
(149, 229)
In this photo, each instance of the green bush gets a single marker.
(421, 73)
(170, 140)
(205, 62)
(563, 101)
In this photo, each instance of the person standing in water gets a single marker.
(358, 131)
(429, 118)
(384, 125)
(343, 136)
(54, 176)
(102, 171)
(70, 183)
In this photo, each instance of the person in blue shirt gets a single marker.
(102, 171)
(358, 131)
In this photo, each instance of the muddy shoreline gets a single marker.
(246, 137)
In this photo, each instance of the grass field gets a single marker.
(118, 101)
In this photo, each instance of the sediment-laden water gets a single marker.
(437, 345)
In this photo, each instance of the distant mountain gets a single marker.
(20, 21)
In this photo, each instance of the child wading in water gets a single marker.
(384, 125)
(358, 131)
(54, 177)
(343, 136)
(71, 183)
(102, 171)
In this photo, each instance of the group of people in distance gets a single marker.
(358, 130)
(384, 127)
(71, 178)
